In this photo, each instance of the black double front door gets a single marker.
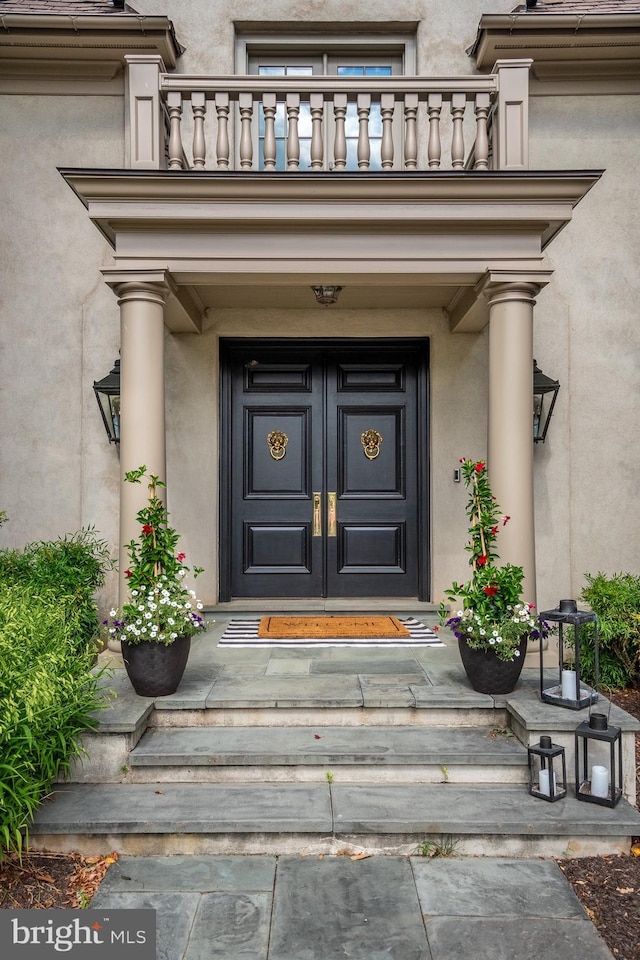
(324, 469)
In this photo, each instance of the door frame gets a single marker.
(423, 420)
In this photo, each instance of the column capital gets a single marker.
(500, 287)
(154, 286)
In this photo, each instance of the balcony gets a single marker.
(328, 124)
(407, 191)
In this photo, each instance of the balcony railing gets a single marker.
(250, 123)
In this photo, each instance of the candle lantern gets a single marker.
(547, 770)
(569, 691)
(599, 761)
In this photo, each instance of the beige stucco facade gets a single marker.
(61, 321)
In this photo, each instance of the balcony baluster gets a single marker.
(246, 142)
(340, 145)
(364, 145)
(174, 108)
(199, 107)
(458, 105)
(387, 107)
(434, 147)
(317, 146)
(410, 136)
(222, 141)
(293, 138)
(483, 105)
(269, 110)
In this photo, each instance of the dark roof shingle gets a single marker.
(580, 7)
(73, 8)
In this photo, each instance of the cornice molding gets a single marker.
(571, 53)
(57, 54)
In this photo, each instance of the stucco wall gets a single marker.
(207, 28)
(59, 321)
(587, 335)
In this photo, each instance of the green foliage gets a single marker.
(616, 601)
(443, 846)
(75, 565)
(48, 688)
(160, 608)
(492, 616)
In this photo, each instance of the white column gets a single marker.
(142, 423)
(510, 439)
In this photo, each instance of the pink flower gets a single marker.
(494, 531)
(480, 466)
(482, 559)
(490, 591)
(147, 528)
(505, 520)
(181, 557)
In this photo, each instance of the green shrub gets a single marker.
(74, 566)
(49, 690)
(616, 601)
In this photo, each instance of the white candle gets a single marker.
(569, 685)
(543, 783)
(599, 781)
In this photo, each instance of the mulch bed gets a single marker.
(608, 887)
(51, 881)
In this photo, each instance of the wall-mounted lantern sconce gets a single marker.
(107, 393)
(545, 391)
(326, 294)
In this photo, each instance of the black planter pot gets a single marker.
(155, 670)
(487, 673)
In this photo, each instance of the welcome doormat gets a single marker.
(246, 633)
(323, 627)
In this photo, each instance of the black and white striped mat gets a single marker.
(244, 633)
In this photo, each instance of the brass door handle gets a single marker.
(332, 515)
(317, 515)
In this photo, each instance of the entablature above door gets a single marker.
(430, 237)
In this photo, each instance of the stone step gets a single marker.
(476, 819)
(366, 753)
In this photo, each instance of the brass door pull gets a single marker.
(317, 515)
(332, 515)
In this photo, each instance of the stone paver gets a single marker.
(185, 808)
(510, 938)
(278, 691)
(321, 745)
(175, 915)
(376, 908)
(488, 887)
(336, 907)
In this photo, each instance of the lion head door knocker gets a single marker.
(371, 441)
(277, 441)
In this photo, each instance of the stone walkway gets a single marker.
(332, 908)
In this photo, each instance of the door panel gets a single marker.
(349, 416)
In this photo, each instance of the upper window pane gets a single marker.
(344, 63)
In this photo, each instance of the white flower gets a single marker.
(199, 605)
(112, 613)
